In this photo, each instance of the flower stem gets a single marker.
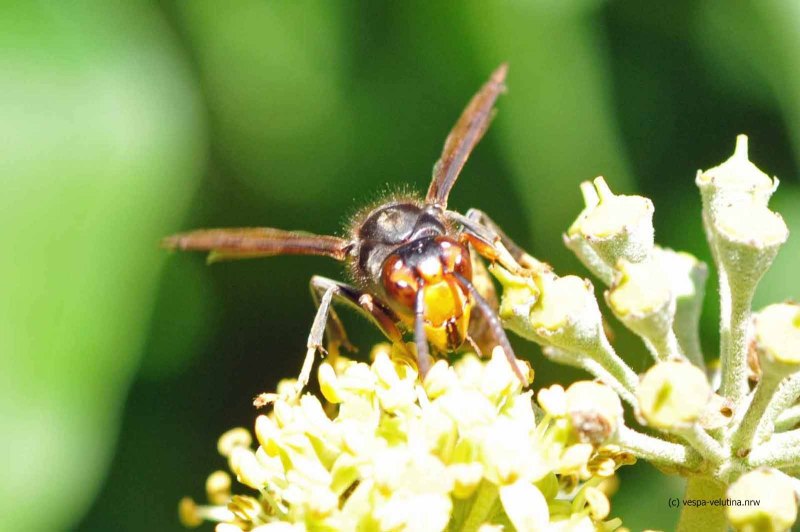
(608, 359)
(781, 451)
(735, 304)
(776, 416)
(604, 363)
(708, 518)
(744, 433)
(657, 450)
(788, 419)
(700, 440)
(664, 347)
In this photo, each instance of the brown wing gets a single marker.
(251, 242)
(464, 136)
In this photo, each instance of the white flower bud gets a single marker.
(777, 508)
(737, 180)
(748, 238)
(777, 337)
(673, 395)
(610, 228)
(594, 409)
(641, 298)
(558, 311)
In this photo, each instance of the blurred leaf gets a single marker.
(557, 126)
(274, 75)
(100, 142)
(781, 282)
(183, 319)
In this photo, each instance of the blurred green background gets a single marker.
(122, 122)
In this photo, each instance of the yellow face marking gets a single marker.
(446, 303)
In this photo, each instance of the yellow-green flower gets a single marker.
(462, 449)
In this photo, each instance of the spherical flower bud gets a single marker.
(233, 438)
(777, 507)
(595, 411)
(558, 311)
(641, 298)
(777, 337)
(610, 228)
(748, 237)
(673, 395)
(737, 180)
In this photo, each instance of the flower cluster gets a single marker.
(709, 425)
(466, 449)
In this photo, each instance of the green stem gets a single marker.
(664, 347)
(700, 440)
(734, 319)
(657, 450)
(781, 451)
(608, 359)
(687, 319)
(709, 517)
(604, 364)
(744, 433)
(788, 419)
(776, 416)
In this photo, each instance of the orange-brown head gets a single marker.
(434, 265)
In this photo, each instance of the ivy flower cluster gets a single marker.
(466, 449)
(729, 428)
